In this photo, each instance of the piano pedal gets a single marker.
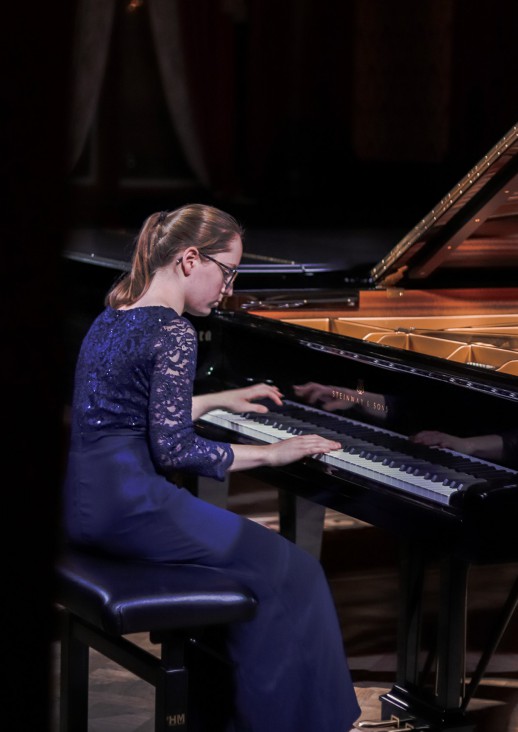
(394, 724)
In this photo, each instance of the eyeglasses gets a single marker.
(229, 273)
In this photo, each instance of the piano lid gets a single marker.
(471, 237)
(275, 253)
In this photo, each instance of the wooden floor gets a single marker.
(361, 564)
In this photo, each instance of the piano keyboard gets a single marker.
(435, 474)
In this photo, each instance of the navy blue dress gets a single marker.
(132, 425)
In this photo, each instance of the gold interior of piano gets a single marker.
(476, 325)
(488, 341)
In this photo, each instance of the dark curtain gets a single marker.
(287, 100)
(434, 81)
(209, 40)
(269, 84)
(91, 44)
(171, 40)
(484, 79)
(402, 80)
(298, 97)
(290, 96)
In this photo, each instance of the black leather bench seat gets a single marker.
(127, 596)
(102, 600)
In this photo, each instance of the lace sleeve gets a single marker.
(174, 443)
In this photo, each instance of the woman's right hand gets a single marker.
(296, 448)
(280, 453)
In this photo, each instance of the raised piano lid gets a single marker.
(469, 239)
(448, 289)
(471, 236)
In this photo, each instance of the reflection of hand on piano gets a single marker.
(341, 399)
(320, 395)
(488, 447)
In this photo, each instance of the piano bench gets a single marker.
(101, 600)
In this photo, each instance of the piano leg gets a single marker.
(210, 490)
(411, 700)
(411, 578)
(301, 521)
(451, 643)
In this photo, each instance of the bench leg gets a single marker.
(73, 679)
(171, 687)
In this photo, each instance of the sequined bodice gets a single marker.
(135, 371)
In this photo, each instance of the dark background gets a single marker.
(305, 114)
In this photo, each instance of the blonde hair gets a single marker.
(163, 237)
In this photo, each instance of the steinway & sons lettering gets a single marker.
(362, 400)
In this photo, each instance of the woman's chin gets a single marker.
(200, 312)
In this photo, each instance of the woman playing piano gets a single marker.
(132, 424)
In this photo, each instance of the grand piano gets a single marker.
(427, 339)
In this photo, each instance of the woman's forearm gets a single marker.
(247, 457)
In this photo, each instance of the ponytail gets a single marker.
(135, 283)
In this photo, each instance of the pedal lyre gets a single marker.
(394, 724)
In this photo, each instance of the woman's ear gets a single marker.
(190, 257)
